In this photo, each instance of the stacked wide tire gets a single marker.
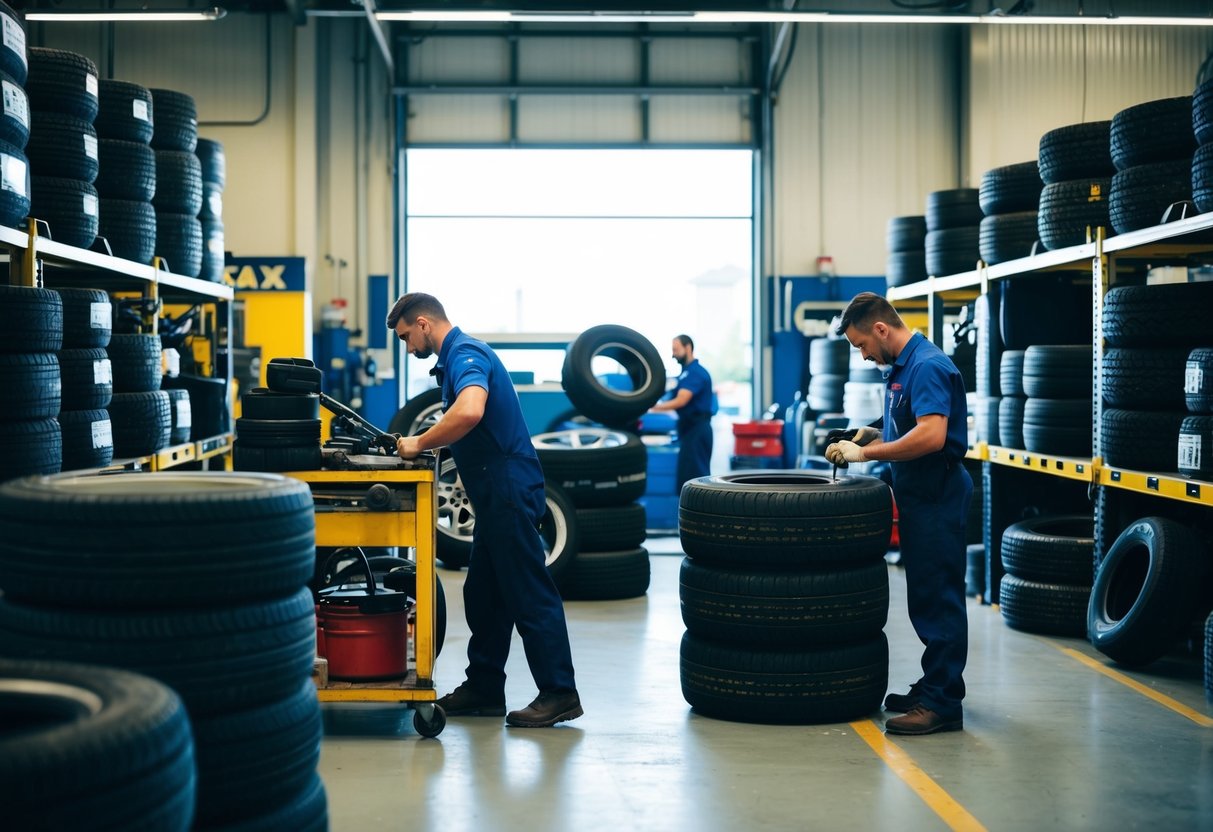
(829, 367)
(210, 216)
(1202, 159)
(126, 182)
(1076, 167)
(1013, 399)
(277, 432)
(905, 239)
(1151, 146)
(14, 120)
(178, 197)
(785, 596)
(1196, 430)
(141, 414)
(219, 612)
(88, 379)
(1009, 198)
(31, 333)
(953, 231)
(1047, 585)
(1057, 411)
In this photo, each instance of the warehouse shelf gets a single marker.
(1163, 239)
(1171, 486)
(1075, 468)
(1062, 258)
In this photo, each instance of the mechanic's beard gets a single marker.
(425, 352)
(682, 360)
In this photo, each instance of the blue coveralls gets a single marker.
(507, 582)
(932, 495)
(694, 424)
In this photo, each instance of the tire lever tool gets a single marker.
(839, 435)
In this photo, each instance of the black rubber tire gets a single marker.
(610, 529)
(905, 233)
(1166, 315)
(30, 448)
(214, 254)
(179, 242)
(748, 607)
(975, 570)
(1069, 209)
(785, 519)
(127, 171)
(305, 812)
(953, 208)
(87, 318)
(1057, 372)
(276, 459)
(124, 111)
(62, 145)
(1141, 195)
(14, 111)
(136, 362)
(1143, 379)
(1059, 427)
(257, 758)
(953, 250)
(129, 228)
(15, 195)
(829, 356)
(176, 120)
(1053, 549)
(1196, 447)
(32, 386)
(1010, 421)
(989, 345)
(748, 684)
(595, 466)
(1198, 380)
(1004, 237)
(1050, 609)
(88, 439)
(1209, 656)
(1202, 113)
(606, 576)
(973, 519)
(14, 59)
(1010, 373)
(178, 183)
(418, 414)
(1141, 440)
(98, 748)
(214, 162)
(1076, 151)
(31, 320)
(179, 408)
(278, 433)
(985, 418)
(639, 360)
(87, 379)
(826, 393)
(262, 403)
(1010, 189)
(218, 659)
(1146, 591)
(1153, 131)
(69, 206)
(62, 82)
(141, 423)
(212, 203)
(903, 267)
(1202, 178)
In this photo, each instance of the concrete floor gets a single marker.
(1049, 743)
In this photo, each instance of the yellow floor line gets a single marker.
(940, 802)
(1166, 701)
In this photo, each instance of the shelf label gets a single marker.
(14, 38)
(90, 146)
(90, 84)
(184, 415)
(1190, 450)
(89, 205)
(103, 434)
(103, 371)
(266, 274)
(16, 105)
(1194, 378)
(100, 315)
(139, 110)
(14, 174)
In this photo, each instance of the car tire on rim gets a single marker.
(596, 466)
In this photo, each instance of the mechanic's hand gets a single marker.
(840, 453)
(865, 435)
(409, 447)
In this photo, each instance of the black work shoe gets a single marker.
(465, 700)
(920, 720)
(900, 703)
(547, 710)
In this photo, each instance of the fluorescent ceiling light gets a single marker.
(125, 16)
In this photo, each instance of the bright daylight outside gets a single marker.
(556, 241)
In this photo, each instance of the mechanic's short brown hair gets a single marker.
(868, 308)
(413, 304)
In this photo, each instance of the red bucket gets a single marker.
(758, 438)
(361, 647)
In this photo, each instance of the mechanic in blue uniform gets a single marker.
(507, 582)
(693, 401)
(924, 437)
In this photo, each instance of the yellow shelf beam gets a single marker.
(1170, 486)
(1074, 468)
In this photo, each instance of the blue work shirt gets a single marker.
(696, 380)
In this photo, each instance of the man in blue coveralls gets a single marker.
(924, 437)
(693, 401)
(507, 583)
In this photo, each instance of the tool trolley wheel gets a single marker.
(429, 719)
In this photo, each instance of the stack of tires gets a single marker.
(905, 239)
(88, 379)
(14, 120)
(785, 595)
(1196, 430)
(829, 366)
(220, 612)
(277, 432)
(1076, 167)
(214, 176)
(953, 231)
(1009, 198)
(985, 369)
(1057, 411)
(1151, 145)
(863, 393)
(31, 332)
(178, 197)
(1012, 401)
(126, 181)
(1047, 585)
(141, 414)
(1202, 159)
(62, 151)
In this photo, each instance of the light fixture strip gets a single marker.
(127, 16)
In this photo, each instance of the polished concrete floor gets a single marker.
(1050, 743)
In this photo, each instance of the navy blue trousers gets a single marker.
(508, 584)
(932, 530)
(694, 451)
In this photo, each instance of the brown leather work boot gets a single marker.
(547, 710)
(465, 700)
(919, 720)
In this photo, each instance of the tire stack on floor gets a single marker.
(1076, 166)
(220, 613)
(1011, 403)
(126, 182)
(953, 231)
(1048, 577)
(277, 432)
(178, 198)
(1196, 430)
(829, 366)
(214, 177)
(905, 238)
(785, 595)
(31, 332)
(88, 379)
(141, 414)
(1057, 412)
(14, 120)
(1009, 198)
(1151, 145)
(62, 89)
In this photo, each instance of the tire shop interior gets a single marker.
(226, 602)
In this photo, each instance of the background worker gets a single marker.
(924, 437)
(507, 582)
(692, 401)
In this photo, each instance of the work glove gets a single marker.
(841, 453)
(865, 435)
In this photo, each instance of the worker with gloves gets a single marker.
(924, 437)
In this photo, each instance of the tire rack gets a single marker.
(1157, 245)
(29, 254)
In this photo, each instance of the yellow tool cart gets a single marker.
(378, 500)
